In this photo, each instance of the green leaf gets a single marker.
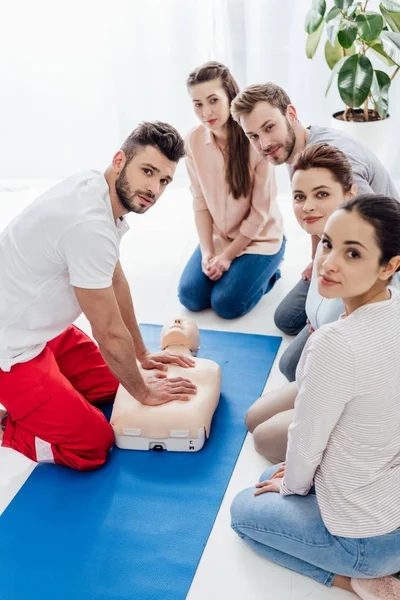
(380, 92)
(391, 45)
(391, 12)
(334, 72)
(378, 50)
(315, 15)
(391, 5)
(343, 4)
(332, 29)
(313, 40)
(355, 79)
(369, 26)
(352, 9)
(347, 34)
(332, 14)
(334, 53)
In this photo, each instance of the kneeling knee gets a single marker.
(250, 420)
(98, 449)
(284, 324)
(226, 308)
(188, 299)
(267, 443)
(240, 510)
(287, 367)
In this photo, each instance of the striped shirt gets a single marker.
(345, 436)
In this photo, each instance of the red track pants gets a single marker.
(49, 403)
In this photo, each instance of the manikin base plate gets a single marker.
(173, 444)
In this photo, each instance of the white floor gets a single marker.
(153, 255)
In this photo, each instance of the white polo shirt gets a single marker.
(67, 237)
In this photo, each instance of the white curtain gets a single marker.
(77, 76)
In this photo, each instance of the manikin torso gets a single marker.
(160, 421)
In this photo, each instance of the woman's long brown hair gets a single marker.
(237, 172)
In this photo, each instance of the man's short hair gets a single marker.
(246, 100)
(157, 134)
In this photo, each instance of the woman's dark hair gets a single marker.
(324, 156)
(237, 170)
(383, 213)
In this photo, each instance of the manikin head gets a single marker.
(145, 165)
(268, 119)
(322, 178)
(212, 88)
(182, 331)
(360, 248)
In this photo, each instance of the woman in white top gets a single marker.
(335, 513)
(318, 164)
(322, 179)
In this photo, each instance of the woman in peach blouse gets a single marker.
(234, 199)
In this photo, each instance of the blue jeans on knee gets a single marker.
(290, 358)
(290, 316)
(290, 532)
(238, 290)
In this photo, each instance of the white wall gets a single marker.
(54, 89)
(77, 76)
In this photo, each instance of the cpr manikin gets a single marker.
(177, 425)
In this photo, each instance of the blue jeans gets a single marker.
(250, 277)
(289, 531)
(290, 316)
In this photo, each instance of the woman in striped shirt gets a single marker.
(336, 514)
(322, 178)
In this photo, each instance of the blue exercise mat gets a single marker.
(136, 528)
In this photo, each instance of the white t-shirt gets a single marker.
(67, 237)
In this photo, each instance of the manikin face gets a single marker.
(211, 104)
(143, 180)
(316, 193)
(181, 331)
(270, 132)
(348, 257)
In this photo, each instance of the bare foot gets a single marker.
(344, 583)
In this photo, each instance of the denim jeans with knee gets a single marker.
(249, 277)
(290, 358)
(290, 532)
(290, 316)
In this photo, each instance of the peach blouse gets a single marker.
(256, 216)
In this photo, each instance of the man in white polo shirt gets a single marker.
(60, 257)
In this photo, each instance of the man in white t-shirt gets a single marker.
(60, 257)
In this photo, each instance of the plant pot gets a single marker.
(374, 135)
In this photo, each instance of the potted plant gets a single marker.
(354, 35)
